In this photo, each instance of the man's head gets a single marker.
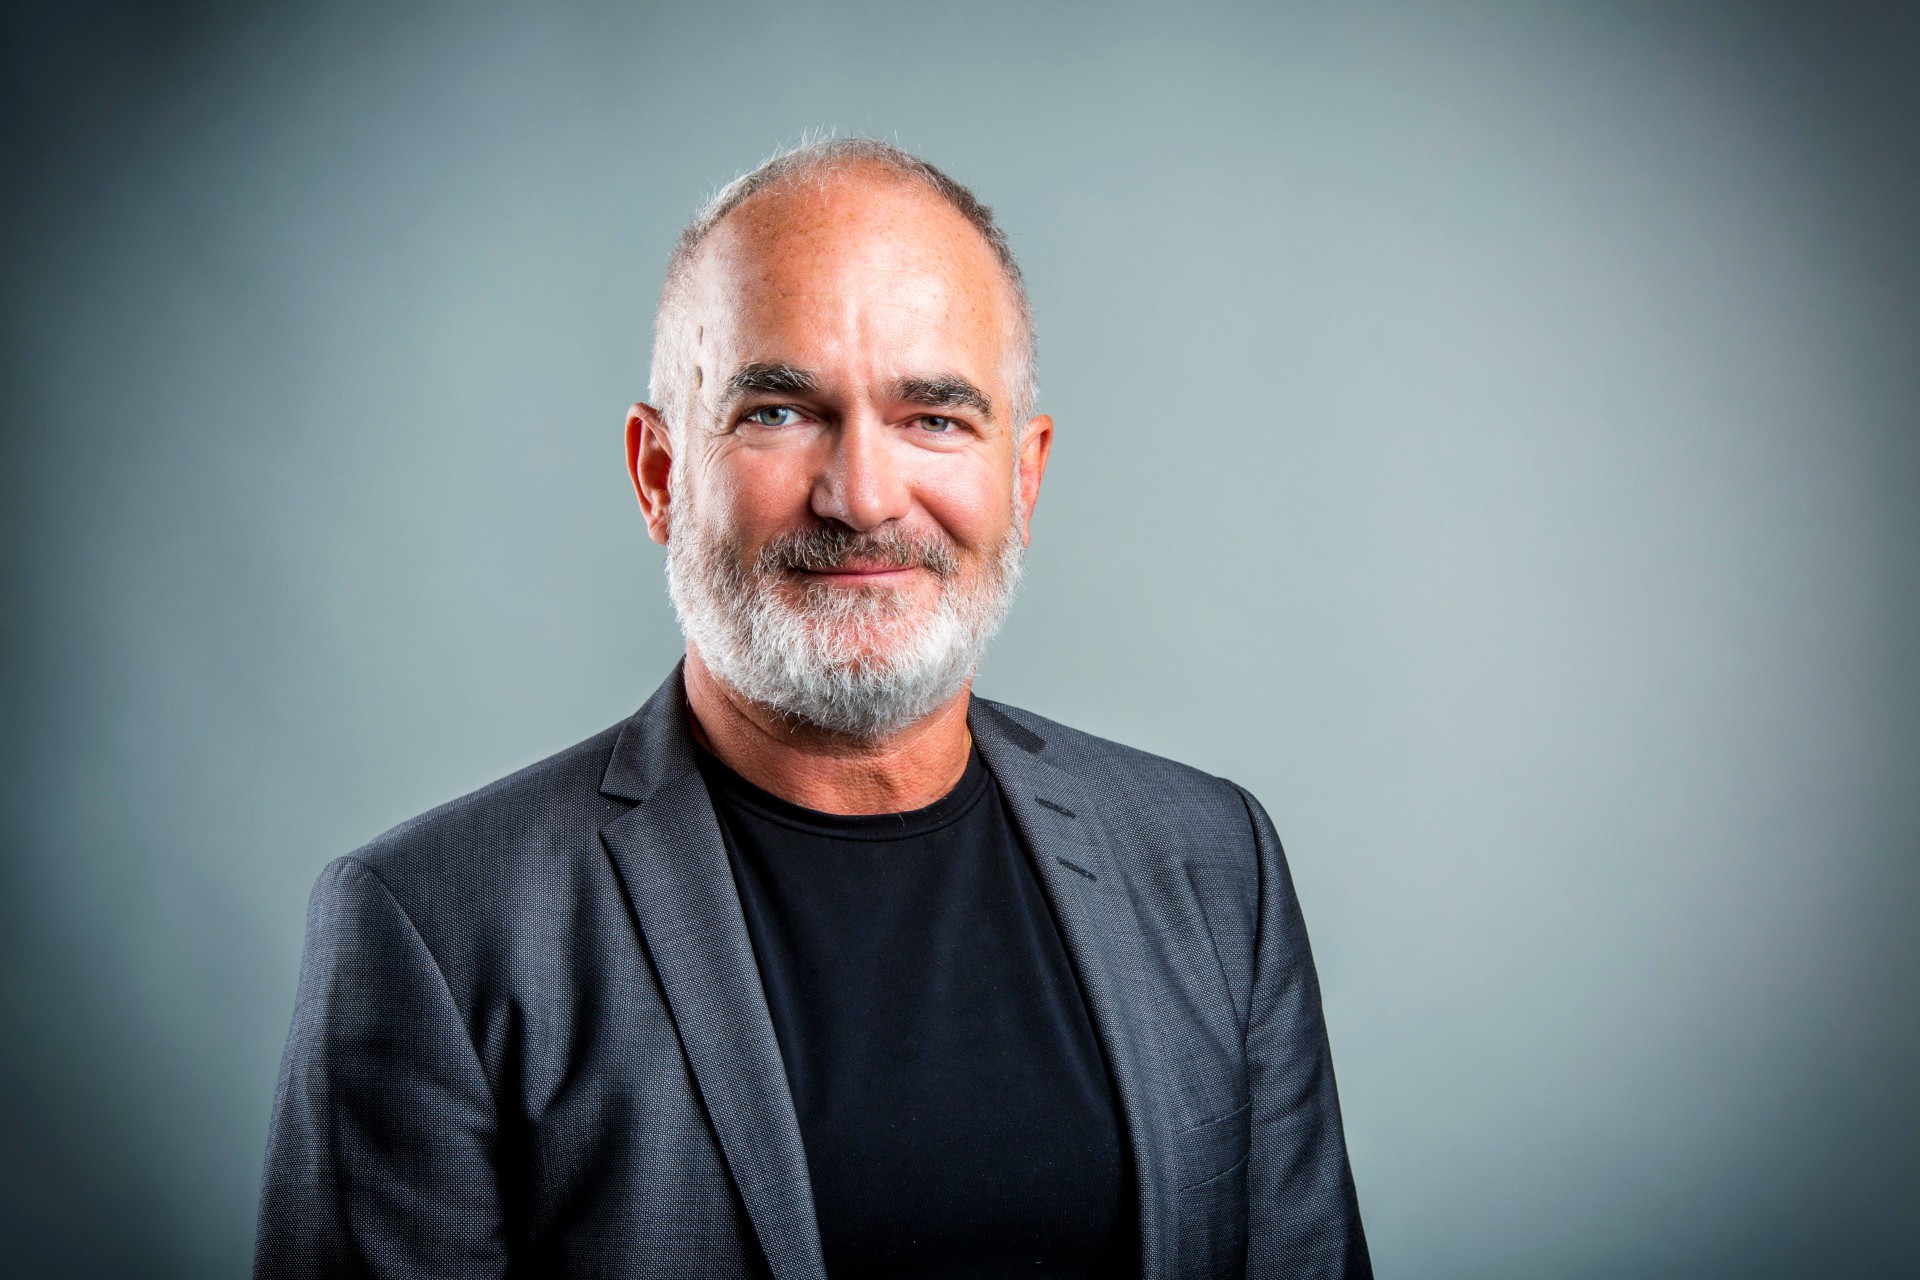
(840, 461)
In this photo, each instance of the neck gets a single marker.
(819, 770)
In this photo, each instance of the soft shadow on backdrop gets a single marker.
(1490, 436)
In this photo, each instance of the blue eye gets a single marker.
(937, 424)
(774, 415)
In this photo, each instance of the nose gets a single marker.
(861, 485)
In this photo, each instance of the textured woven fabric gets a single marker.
(530, 1038)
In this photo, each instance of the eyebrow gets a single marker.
(942, 391)
(948, 391)
(760, 378)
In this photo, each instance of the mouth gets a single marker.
(860, 575)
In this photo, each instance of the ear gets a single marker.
(650, 465)
(1035, 446)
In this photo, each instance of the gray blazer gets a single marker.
(530, 1038)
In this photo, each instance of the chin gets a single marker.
(895, 596)
(869, 648)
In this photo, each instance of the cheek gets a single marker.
(758, 492)
(971, 498)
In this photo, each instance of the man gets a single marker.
(818, 964)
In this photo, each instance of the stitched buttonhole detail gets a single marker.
(1075, 867)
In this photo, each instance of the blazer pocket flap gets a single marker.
(1216, 1147)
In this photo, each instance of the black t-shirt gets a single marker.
(953, 1101)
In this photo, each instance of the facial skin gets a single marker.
(852, 344)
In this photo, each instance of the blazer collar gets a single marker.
(653, 746)
(1059, 816)
(673, 866)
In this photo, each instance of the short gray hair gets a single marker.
(670, 386)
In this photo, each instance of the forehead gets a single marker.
(850, 265)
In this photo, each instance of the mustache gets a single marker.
(827, 547)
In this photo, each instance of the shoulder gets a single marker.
(481, 855)
(529, 807)
(1195, 851)
(1136, 789)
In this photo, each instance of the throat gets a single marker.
(825, 771)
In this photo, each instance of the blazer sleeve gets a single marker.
(379, 1160)
(1303, 1219)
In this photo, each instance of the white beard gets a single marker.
(861, 662)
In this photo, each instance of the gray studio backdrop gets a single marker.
(1488, 434)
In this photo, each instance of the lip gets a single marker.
(859, 574)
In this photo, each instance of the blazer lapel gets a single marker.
(1058, 819)
(673, 866)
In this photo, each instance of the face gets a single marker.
(846, 503)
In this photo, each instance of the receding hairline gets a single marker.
(768, 213)
(824, 161)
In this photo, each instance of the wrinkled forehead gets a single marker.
(850, 260)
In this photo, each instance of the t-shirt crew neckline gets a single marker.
(944, 812)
